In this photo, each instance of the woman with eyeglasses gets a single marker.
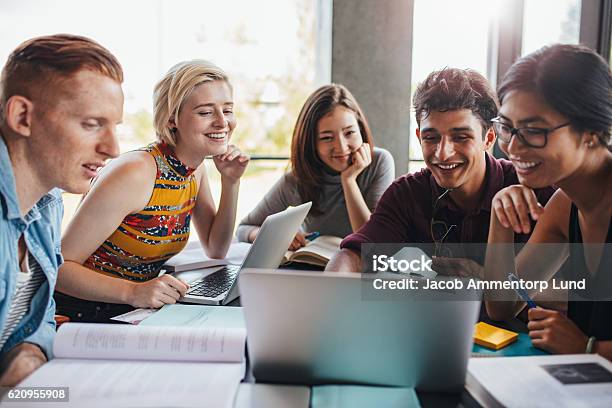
(554, 124)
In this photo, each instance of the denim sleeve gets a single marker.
(45, 333)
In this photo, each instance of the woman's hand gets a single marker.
(164, 290)
(298, 241)
(513, 205)
(360, 159)
(232, 163)
(554, 332)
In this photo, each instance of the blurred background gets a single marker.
(278, 51)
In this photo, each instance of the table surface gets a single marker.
(459, 399)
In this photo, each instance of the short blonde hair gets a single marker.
(174, 88)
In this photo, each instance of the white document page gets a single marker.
(197, 316)
(326, 246)
(96, 383)
(412, 253)
(136, 316)
(524, 382)
(123, 342)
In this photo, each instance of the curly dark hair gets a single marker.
(452, 89)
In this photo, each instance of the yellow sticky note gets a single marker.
(493, 337)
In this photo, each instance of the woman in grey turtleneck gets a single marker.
(333, 164)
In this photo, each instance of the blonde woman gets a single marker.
(138, 211)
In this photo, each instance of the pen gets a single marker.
(313, 235)
(521, 292)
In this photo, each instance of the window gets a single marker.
(267, 48)
(457, 37)
(550, 21)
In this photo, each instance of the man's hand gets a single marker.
(346, 260)
(19, 363)
(552, 331)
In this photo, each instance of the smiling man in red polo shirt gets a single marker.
(450, 200)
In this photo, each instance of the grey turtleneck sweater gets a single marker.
(372, 182)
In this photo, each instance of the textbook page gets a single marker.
(97, 383)
(317, 252)
(123, 342)
(325, 246)
(541, 381)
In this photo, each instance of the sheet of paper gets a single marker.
(123, 342)
(135, 316)
(526, 382)
(326, 246)
(96, 383)
(411, 253)
(197, 316)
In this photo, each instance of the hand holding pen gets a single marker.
(300, 240)
(522, 292)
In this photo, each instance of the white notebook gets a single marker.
(576, 380)
(140, 366)
(317, 252)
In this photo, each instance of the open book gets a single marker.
(144, 366)
(570, 380)
(193, 257)
(317, 252)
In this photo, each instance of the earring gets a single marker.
(590, 144)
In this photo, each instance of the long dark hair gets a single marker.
(573, 79)
(307, 168)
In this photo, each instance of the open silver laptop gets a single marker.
(317, 328)
(273, 239)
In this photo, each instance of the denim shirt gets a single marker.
(41, 230)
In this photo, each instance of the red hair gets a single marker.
(41, 61)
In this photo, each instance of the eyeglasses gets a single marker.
(529, 136)
(440, 230)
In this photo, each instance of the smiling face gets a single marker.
(75, 133)
(563, 153)
(338, 136)
(454, 149)
(206, 120)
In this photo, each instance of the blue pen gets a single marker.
(521, 292)
(313, 235)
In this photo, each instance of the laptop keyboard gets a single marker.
(216, 283)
